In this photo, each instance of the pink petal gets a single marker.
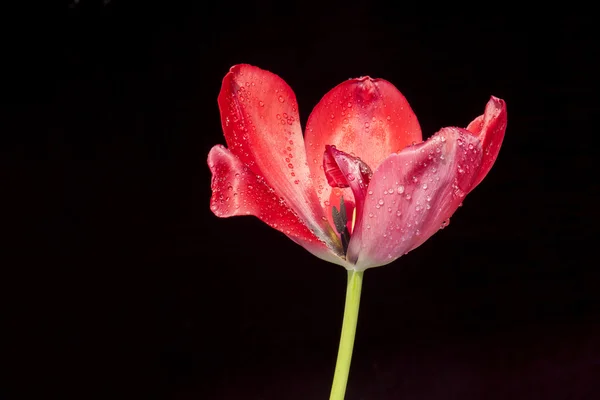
(490, 128)
(260, 121)
(238, 191)
(366, 118)
(411, 194)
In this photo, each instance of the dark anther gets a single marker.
(340, 220)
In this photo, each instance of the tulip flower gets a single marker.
(360, 188)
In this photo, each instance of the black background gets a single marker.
(122, 283)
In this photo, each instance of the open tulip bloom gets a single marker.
(360, 188)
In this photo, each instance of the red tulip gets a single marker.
(361, 188)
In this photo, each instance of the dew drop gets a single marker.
(400, 189)
(260, 103)
(281, 99)
(380, 202)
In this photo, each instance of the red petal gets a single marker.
(260, 121)
(367, 118)
(411, 194)
(490, 128)
(238, 191)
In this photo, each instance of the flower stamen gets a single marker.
(340, 221)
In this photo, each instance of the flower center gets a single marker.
(343, 170)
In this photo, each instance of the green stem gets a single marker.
(342, 366)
